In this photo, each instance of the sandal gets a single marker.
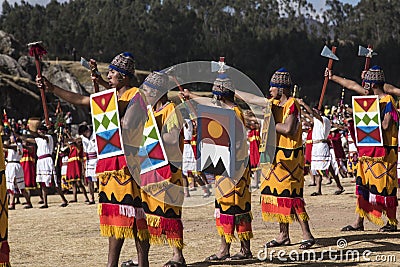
(241, 256)
(306, 244)
(214, 257)
(28, 206)
(43, 207)
(172, 263)
(388, 228)
(315, 194)
(273, 243)
(64, 204)
(129, 263)
(338, 192)
(351, 228)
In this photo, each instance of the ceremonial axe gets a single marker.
(36, 50)
(368, 53)
(326, 52)
(86, 64)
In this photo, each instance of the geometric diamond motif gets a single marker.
(115, 119)
(105, 121)
(96, 123)
(366, 119)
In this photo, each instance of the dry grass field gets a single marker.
(70, 236)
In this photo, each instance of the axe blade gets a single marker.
(216, 66)
(34, 43)
(326, 52)
(365, 52)
(86, 65)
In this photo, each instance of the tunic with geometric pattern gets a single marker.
(282, 184)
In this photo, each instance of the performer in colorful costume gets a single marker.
(120, 204)
(162, 188)
(376, 183)
(29, 166)
(74, 170)
(282, 187)
(4, 247)
(233, 196)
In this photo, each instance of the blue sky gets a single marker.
(318, 4)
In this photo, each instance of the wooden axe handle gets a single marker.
(367, 63)
(42, 94)
(96, 87)
(330, 63)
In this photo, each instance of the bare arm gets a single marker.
(251, 98)
(289, 127)
(309, 110)
(73, 98)
(387, 121)
(349, 84)
(390, 89)
(171, 137)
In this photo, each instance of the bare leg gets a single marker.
(114, 250)
(83, 189)
(74, 192)
(224, 248)
(336, 178)
(185, 185)
(305, 227)
(44, 193)
(177, 255)
(142, 248)
(91, 190)
(318, 179)
(27, 197)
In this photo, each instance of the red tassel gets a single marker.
(37, 50)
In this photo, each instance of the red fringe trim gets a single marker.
(227, 219)
(171, 224)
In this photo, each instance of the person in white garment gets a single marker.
(45, 171)
(89, 149)
(320, 154)
(14, 172)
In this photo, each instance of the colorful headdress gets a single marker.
(124, 63)
(157, 80)
(375, 75)
(281, 79)
(223, 86)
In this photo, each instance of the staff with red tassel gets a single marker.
(37, 50)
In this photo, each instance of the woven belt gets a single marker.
(44, 156)
(320, 141)
(91, 155)
(13, 161)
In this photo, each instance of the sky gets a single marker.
(318, 4)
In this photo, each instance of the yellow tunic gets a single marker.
(162, 201)
(376, 181)
(233, 197)
(282, 184)
(120, 204)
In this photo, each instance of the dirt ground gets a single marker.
(70, 236)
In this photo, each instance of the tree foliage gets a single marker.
(255, 36)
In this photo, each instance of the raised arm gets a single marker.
(391, 89)
(346, 83)
(310, 111)
(251, 98)
(71, 97)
